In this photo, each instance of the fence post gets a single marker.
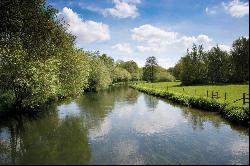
(207, 93)
(212, 94)
(225, 95)
(244, 98)
(195, 91)
(167, 88)
(183, 89)
(217, 94)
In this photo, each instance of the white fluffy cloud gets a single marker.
(123, 9)
(123, 47)
(156, 40)
(99, 133)
(149, 48)
(85, 31)
(152, 34)
(237, 8)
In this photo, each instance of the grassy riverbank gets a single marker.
(196, 96)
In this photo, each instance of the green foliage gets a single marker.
(31, 82)
(218, 66)
(240, 59)
(74, 73)
(175, 71)
(150, 69)
(29, 63)
(163, 75)
(121, 75)
(137, 75)
(39, 61)
(214, 66)
(193, 70)
(99, 77)
(132, 68)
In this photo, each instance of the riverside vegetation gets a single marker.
(39, 62)
(208, 68)
(195, 96)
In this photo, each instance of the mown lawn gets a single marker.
(233, 91)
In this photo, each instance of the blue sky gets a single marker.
(136, 29)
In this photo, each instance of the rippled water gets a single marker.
(122, 126)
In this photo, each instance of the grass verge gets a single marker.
(234, 113)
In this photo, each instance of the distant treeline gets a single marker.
(215, 65)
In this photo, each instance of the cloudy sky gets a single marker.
(136, 29)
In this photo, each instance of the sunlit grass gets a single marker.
(196, 96)
(233, 91)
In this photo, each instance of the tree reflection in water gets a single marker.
(49, 139)
(151, 101)
(46, 141)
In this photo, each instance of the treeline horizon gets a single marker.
(214, 66)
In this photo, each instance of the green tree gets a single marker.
(175, 71)
(99, 77)
(132, 67)
(73, 72)
(240, 59)
(109, 62)
(121, 75)
(38, 60)
(218, 65)
(163, 75)
(193, 67)
(150, 69)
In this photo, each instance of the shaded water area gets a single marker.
(122, 126)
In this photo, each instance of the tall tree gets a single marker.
(193, 68)
(240, 59)
(218, 65)
(132, 67)
(150, 69)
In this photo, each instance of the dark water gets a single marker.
(122, 126)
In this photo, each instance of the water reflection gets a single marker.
(46, 141)
(159, 121)
(122, 126)
(151, 101)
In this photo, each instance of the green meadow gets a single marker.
(201, 97)
(233, 91)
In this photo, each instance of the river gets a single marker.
(122, 126)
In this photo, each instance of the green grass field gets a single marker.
(233, 91)
(196, 96)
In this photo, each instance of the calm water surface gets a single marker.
(122, 126)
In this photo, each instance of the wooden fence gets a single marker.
(215, 95)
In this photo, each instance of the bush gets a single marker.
(164, 77)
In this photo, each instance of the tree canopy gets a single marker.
(215, 65)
